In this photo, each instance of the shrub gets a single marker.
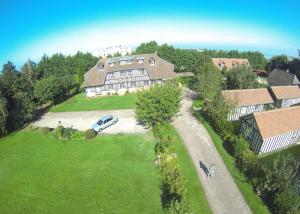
(63, 133)
(158, 104)
(90, 134)
(126, 92)
(240, 145)
(287, 201)
(45, 130)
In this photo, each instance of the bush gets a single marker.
(90, 134)
(240, 145)
(287, 201)
(158, 104)
(45, 130)
(63, 133)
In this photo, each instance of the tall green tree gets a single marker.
(158, 104)
(208, 81)
(3, 115)
(241, 77)
(55, 87)
(8, 77)
(294, 67)
(217, 111)
(281, 62)
(146, 48)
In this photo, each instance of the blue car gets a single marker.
(104, 122)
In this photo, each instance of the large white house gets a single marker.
(272, 130)
(247, 101)
(128, 73)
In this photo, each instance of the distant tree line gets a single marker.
(24, 91)
(284, 63)
(187, 60)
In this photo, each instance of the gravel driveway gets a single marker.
(221, 191)
(83, 120)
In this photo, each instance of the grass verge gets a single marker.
(254, 202)
(81, 103)
(195, 193)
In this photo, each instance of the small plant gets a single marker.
(90, 134)
(45, 130)
(63, 133)
(126, 92)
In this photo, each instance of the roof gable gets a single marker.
(277, 122)
(247, 97)
(286, 92)
(281, 78)
(161, 69)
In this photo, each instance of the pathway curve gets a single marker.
(221, 191)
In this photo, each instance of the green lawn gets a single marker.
(254, 202)
(195, 192)
(81, 103)
(110, 174)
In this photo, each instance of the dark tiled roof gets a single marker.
(282, 78)
(162, 69)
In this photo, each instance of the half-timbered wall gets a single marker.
(245, 110)
(120, 81)
(250, 131)
(288, 102)
(280, 141)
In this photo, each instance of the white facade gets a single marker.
(121, 49)
(245, 110)
(250, 131)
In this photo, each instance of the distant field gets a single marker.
(110, 174)
(81, 103)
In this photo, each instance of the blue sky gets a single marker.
(31, 28)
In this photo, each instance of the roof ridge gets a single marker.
(246, 89)
(276, 110)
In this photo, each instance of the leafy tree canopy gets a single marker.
(241, 77)
(158, 104)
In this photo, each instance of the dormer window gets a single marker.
(152, 61)
(125, 60)
(100, 67)
(140, 59)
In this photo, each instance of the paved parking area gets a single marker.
(83, 120)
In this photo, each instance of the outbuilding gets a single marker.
(247, 101)
(271, 130)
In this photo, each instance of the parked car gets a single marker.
(104, 122)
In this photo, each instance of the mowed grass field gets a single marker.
(110, 174)
(80, 102)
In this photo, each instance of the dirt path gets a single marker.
(83, 120)
(221, 191)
